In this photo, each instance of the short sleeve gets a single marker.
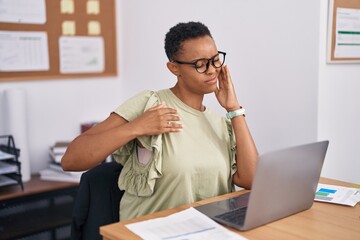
(135, 106)
(136, 178)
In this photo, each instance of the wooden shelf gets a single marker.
(42, 206)
(34, 186)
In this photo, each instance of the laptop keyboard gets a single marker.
(236, 216)
(239, 201)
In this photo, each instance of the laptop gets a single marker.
(285, 183)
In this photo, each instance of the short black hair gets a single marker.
(180, 33)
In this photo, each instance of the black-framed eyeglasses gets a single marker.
(202, 65)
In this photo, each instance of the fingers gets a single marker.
(224, 75)
(170, 126)
(227, 73)
(170, 123)
(225, 93)
(160, 119)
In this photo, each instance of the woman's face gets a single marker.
(189, 78)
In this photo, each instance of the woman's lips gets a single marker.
(211, 81)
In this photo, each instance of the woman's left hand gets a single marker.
(225, 93)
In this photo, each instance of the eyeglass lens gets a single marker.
(217, 61)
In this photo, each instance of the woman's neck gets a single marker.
(191, 99)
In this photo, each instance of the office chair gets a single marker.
(97, 201)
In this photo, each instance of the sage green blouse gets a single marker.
(194, 164)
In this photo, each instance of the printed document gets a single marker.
(189, 224)
(337, 194)
(347, 33)
(81, 54)
(23, 51)
(23, 11)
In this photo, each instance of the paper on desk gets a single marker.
(189, 224)
(337, 194)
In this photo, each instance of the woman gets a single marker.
(174, 150)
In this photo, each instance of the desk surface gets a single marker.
(321, 221)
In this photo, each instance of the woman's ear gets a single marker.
(173, 68)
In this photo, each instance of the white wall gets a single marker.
(338, 117)
(273, 54)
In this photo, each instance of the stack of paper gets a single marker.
(51, 174)
(8, 168)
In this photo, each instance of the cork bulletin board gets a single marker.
(52, 39)
(344, 31)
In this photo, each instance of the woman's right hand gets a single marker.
(157, 120)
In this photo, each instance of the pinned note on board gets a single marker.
(94, 28)
(81, 54)
(68, 28)
(93, 7)
(67, 6)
